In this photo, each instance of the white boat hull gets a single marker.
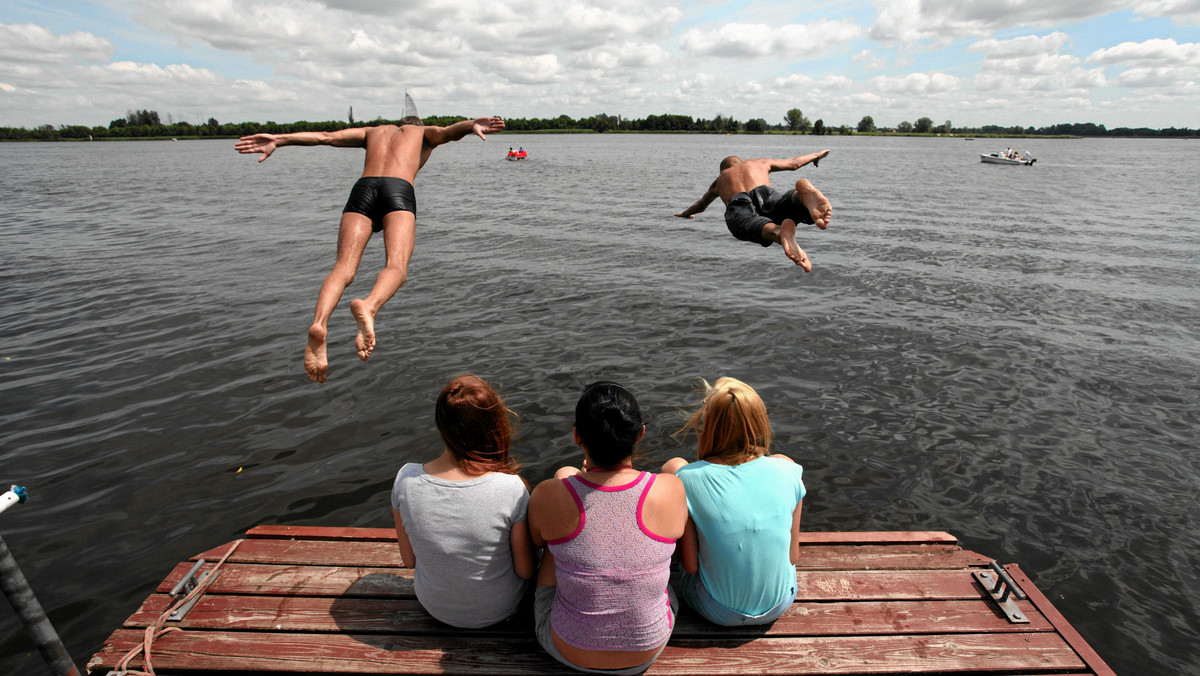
(996, 159)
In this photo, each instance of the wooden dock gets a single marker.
(334, 600)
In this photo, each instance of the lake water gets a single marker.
(1005, 353)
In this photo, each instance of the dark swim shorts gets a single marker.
(748, 212)
(378, 196)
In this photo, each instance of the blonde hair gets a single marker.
(731, 422)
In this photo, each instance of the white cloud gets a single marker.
(869, 61)
(31, 44)
(748, 41)
(1157, 51)
(1024, 46)
(941, 21)
(917, 84)
(1181, 12)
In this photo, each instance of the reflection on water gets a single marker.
(1005, 353)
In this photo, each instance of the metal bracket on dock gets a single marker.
(1001, 588)
(193, 579)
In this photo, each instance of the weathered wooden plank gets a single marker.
(322, 533)
(880, 557)
(806, 538)
(877, 538)
(886, 585)
(250, 578)
(354, 581)
(383, 554)
(1064, 628)
(364, 654)
(315, 614)
(310, 552)
(405, 616)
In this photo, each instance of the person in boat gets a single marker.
(741, 545)
(756, 212)
(521, 153)
(511, 152)
(461, 518)
(384, 200)
(603, 602)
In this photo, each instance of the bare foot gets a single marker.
(818, 207)
(315, 362)
(816, 161)
(786, 236)
(365, 340)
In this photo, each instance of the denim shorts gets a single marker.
(543, 604)
(696, 595)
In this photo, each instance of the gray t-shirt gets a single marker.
(459, 531)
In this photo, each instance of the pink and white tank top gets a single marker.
(612, 571)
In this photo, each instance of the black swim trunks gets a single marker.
(748, 212)
(378, 196)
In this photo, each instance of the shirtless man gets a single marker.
(383, 199)
(756, 212)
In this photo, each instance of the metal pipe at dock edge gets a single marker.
(19, 594)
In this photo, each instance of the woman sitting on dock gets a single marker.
(603, 603)
(741, 545)
(460, 519)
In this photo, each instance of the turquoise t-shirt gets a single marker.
(743, 516)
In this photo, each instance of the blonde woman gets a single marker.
(741, 544)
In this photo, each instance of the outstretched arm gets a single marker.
(794, 163)
(702, 203)
(481, 127)
(266, 144)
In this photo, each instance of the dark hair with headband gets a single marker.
(608, 421)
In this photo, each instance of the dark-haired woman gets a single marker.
(603, 603)
(461, 518)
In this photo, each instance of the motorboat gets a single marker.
(1007, 158)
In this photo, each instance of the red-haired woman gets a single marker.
(461, 518)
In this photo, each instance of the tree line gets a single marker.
(148, 124)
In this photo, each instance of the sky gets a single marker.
(971, 62)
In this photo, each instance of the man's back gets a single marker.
(394, 151)
(744, 176)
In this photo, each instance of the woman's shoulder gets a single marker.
(410, 470)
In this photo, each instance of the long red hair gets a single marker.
(474, 424)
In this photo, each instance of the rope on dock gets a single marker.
(156, 630)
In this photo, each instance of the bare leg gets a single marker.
(353, 236)
(399, 239)
(819, 209)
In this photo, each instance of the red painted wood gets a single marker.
(364, 654)
(249, 578)
(312, 552)
(314, 614)
(886, 585)
(322, 533)
(877, 556)
(1068, 632)
(389, 535)
(308, 599)
(877, 537)
(386, 554)
(351, 615)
